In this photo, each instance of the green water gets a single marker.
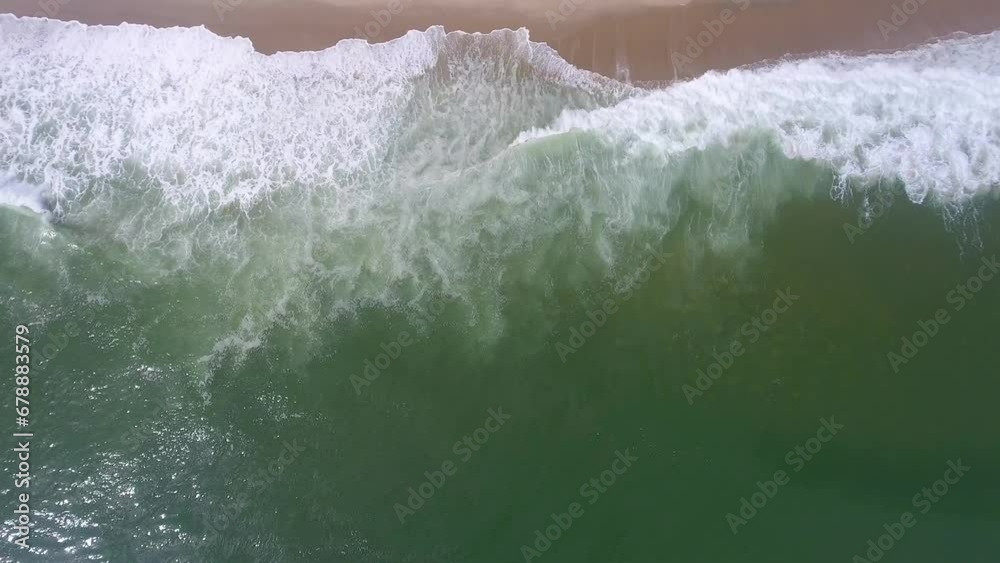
(134, 454)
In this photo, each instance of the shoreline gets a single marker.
(628, 41)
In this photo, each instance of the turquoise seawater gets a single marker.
(451, 300)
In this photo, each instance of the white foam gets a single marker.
(309, 182)
(929, 117)
(211, 123)
(21, 195)
(206, 118)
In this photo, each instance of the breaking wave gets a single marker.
(304, 185)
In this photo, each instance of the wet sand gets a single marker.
(635, 40)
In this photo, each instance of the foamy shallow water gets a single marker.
(400, 165)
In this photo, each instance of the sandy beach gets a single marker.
(635, 40)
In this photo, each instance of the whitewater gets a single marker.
(453, 163)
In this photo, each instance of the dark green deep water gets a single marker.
(220, 247)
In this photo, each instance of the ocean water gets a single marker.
(450, 299)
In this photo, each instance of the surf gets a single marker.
(458, 165)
